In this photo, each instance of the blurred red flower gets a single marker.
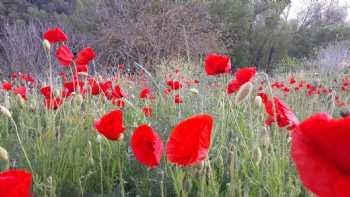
(20, 91)
(6, 86)
(174, 85)
(189, 142)
(118, 92)
(216, 64)
(178, 99)
(55, 35)
(320, 150)
(147, 111)
(284, 115)
(64, 55)
(46, 91)
(111, 125)
(147, 146)
(15, 183)
(145, 93)
(85, 56)
(242, 76)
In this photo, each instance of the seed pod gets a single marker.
(5, 111)
(258, 101)
(47, 45)
(244, 92)
(3, 154)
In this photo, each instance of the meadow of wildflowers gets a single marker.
(183, 130)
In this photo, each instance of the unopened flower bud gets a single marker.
(47, 45)
(5, 111)
(244, 92)
(3, 154)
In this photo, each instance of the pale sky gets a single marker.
(299, 5)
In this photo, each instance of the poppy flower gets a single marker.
(147, 111)
(83, 68)
(46, 92)
(284, 115)
(111, 125)
(147, 146)
(145, 93)
(20, 91)
(73, 86)
(106, 87)
(216, 64)
(320, 151)
(15, 183)
(174, 85)
(189, 142)
(6, 86)
(178, 99)
(242, 76)
(64, 55)
(85, 56)
(55, 35)
(118, 92)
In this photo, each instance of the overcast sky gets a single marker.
(298, 5)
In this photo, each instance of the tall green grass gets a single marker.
(246, 158)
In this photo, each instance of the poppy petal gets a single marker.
(146, 146)
(189, 142)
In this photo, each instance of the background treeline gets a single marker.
(253, 32)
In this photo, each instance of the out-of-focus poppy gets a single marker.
(111, 125)
(216, 64)
(147, 146)
(320, 150)
(189, 142)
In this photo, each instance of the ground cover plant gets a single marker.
(182, 130)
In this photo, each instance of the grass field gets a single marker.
(246, 158)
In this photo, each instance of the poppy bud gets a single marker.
(47, 45)
(257, 156)
(99, 138)
(244, 92)
(121, 137)
(258, 101)
(194, 91)
(83, 74)
(5, 111)
(3, 154)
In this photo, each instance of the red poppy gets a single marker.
(64, 55)
(145, 93)
(46, 92)
(15, 183)
(174, 85)
(189, 142)
(320, 150)
(178, 99)
(242, 76)
(73, 86)
(147, 111)
(20, 91)
(85, 56)
(111, 125)
(106, 87)
(82, 68)
(55, 35)
(284, 115)
(6, 86)
(118, 92)
(292, 80)
(94, 85)
(216, 64)
(146, 146)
